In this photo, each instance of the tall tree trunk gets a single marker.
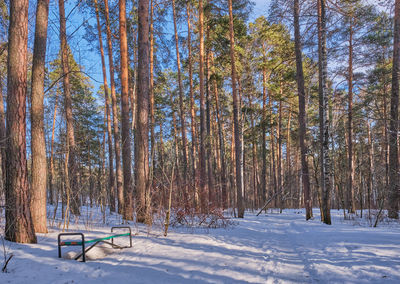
(117, 147)
(142, 127)
(192, 110)
(288, 176)
(203, 129)
(232, 200)
(350, 188)
(133, 84)
(302, 114)
(174, 131)
(126, 137)
(111, 178)
(323, 114)
(254, 159)
(273, 179)
(181, 107)
(371, 175)
(51, 172)
(151, 95)
(279, 156)
(72, 171)
(19, 226)
(236, 118)
(3, 143)
(38, 145)
(221, 144)
(210, 166)
(264, 138)
(394, 122)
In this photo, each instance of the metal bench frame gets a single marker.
(96, 241)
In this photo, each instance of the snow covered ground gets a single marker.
(272, 248)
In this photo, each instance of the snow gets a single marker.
(270, 248)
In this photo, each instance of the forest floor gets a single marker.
(270, 248)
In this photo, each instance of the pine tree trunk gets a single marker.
(394, 187)
(51, 172)
(232, 200)
(210, 166)
(151, 95)
(221, 144)
(236, 118)
(254, 160)
(111, 178)
(126, 137)
(19, 226)
(302, 115)
(192, 110)
(288, 176)
(203, 129)
(72, 171)
(142, 127)
(273, 179)
(385, 146)
(3, 143)
(279, 156)
(264, 138)
(117, 147)
(38, 145)
(174, 131)
(181, 106)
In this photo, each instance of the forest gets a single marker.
(196, 110)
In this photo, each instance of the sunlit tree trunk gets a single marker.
(2, 137)
(51, 170)
(203, 129)
(72, 169)
(142, 117)
(210, 165)
(181, 106)
(192, 109)
(323, 115)
(19, 226)
(126, 137)
(117, 147)
(272, 163)
(111, 178)
(221, 143)
(264, 138)
(151, 96)
(236, 118)
(302, 114)
(394, 121)
(279, 154)
(288, 176)
(38, 145)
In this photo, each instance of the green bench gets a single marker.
(82, 243)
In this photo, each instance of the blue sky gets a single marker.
(260, 8)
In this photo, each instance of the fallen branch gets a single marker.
(269, 201)
(4, 269)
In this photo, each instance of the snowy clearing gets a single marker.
(272, 248)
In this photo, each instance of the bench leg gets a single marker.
(123, 227)
(72, 234)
